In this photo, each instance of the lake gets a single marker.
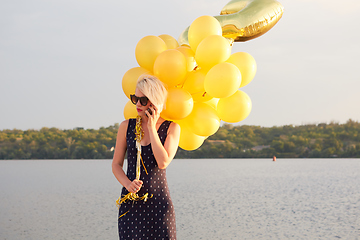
(213, 199)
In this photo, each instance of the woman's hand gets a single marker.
(134, 186)
(153, 117)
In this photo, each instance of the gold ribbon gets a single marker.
(131, 197)
(139, 134)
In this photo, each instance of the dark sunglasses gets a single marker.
(143, 100)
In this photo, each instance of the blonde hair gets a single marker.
(154, 90)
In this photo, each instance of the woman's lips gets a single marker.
(138, 109)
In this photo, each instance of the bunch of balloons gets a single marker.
(202, 76)
(203, 79)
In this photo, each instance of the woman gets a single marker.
(146, 210)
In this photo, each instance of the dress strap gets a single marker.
(130, 135)
(163, 130)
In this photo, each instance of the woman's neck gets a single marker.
(144, 119)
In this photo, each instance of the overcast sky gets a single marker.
(62, 61)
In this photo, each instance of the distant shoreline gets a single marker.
(306, 141)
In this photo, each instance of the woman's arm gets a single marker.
(118, 160)
(164, 154)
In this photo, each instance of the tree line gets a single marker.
(305, 141)
(53, 143)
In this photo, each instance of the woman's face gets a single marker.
(139, 107)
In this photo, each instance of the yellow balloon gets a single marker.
(170, 67)
(165, 117)
(212, 50)
(222, 80)
(213, 103)
(194, 82)
(130, 110)
(147, 50)
(189, 56)
(179, 104)
(201, 28)
(203, 120)
(234, 108)
(130, 79)
(170, 42)
(189, 141)
(246, 64)
(201, 97)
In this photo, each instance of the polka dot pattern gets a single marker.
(155, 218)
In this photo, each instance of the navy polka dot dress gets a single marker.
(155, 218)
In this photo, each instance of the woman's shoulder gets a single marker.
(127, 121)
(174, 127)
(124, 124)
(167, 121)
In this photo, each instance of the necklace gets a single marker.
(139, 134)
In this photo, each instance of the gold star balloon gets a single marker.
(243, 20)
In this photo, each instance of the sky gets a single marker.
(62, 61)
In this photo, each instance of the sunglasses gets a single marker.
(143, 100)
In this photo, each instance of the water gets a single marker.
(213, 199)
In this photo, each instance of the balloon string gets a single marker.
(131, 197)
(144, 166)
(139, 134)
(203, 95)
(125, 213)
(138, 146)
